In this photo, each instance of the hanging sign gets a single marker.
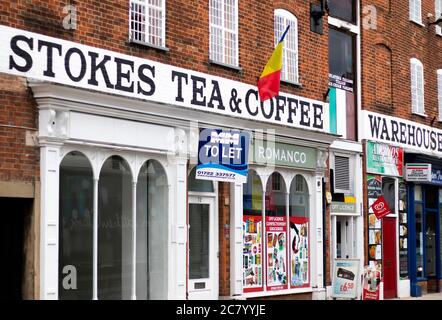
(223, 155)
(384, 159)
(345, 278)
(380, 208)
(418, 172)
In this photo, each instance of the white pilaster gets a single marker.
(236, 239)
(49, 170)
(134, 240)
(95, 244)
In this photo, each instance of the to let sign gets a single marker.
(381, 208)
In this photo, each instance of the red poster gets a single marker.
(380, 208)
(276, 235)
(299, 252)
(252, 254)
(372, 280)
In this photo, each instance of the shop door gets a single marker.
(203, 249)
(431, 253)
(389, 257)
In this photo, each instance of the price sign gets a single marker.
(345, 278)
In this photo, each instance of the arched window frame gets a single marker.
(417, 87)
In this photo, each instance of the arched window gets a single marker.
(417, 86)
(76, 227)
(152, 232)
(299, 233)
(275, 205)
(253, 234)
(114, 230)
(198, 185)
(283, 18)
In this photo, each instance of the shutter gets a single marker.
(438, 14)
(342, 174)
(413, 77)
(137, 20)
(216, 33)
(420, 86)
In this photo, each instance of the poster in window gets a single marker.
(276, 233)
(299, 252)
(252, 253)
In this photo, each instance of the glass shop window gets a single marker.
(419, 225)
(343, 9)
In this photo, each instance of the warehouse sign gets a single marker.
(223, 155)
(384, 159)
(396, 131)
(50, 59)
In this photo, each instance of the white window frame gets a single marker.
(437, 15)
(439, 92)
(416, 72)
(288, 17)
(223, 30)
(146, 34)
(415, 11)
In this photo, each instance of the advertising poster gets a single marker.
(252, 254)
(380, 208)
(276, 233)
(299, 252)
(403, 231)
(374, 191)
(384, 159)
(371, 282)
(223, 155)
(345, 278)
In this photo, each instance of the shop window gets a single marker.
(114, 230)
(76, 227)
(389, 192)
(440, 229)
(198, 185)
(419, 226)
(343, 9)
(417, 86)
(275, 196)
(284, 18)
(415, 8)
(223, 20)
(299, 232)
(252, 234)
(152, 232)
(148, 21)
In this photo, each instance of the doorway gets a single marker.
(389, 257)
(203, 249)
(13, 226)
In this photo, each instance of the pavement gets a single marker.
(431, 296)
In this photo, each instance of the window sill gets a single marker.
(225, 65)
(423, 115)
(295, 84)
(418, 23)
(149, 45)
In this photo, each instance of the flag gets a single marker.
(269, 81)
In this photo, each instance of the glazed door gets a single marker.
(389, 257)
(431, 254)
(203, 249)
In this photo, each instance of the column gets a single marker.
(49, 170)
(134, 240)
(95, 244)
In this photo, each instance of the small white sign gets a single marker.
(418, 172)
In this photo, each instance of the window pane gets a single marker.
(252, 195)
(419, 241)
(199, 241)
(341, 54)
(76, 227)
(152, 202)
(275, 196)
(389, 192)
(299, 197)
(198, 185)
(114, 230)
(430, 245)
(343, 9)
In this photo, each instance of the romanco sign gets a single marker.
(282, 154)
(40, 57)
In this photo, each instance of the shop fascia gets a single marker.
(50, 59)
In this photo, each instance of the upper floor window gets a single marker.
(439, 92)
(437, 15)
(284, 18)
(148, 22)
(417, 86)
(343, 9)
(224, 31)
(416, 11)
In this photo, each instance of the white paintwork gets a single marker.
(236, 239)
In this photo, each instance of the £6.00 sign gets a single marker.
(380, 208)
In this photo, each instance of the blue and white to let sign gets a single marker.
(223, 155)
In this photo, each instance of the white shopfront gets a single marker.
(118, 141)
